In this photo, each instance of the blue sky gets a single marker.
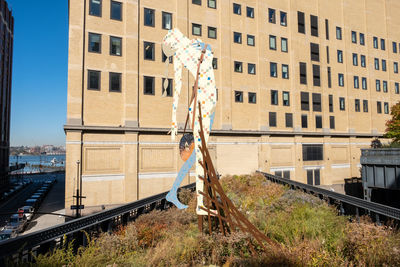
(40, 67)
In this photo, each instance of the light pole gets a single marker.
(77, 189)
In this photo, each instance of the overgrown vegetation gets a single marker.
(308, 231)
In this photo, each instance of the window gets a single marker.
(271, 15)
(196, 29)
(362, 39)
(375, 42)
(383, 44)
(169, 90)
(278, 173)
(365, 105)
(239, 96)
(327, 29)
(237, 37)
(338, 33)
(396, 67)
(285, 71)
(215, 63)
(386, 107)
(196, 2)
(250, 12)
(284, 45)
(166, 21)
(329, 78)
(273, 69)
(286, 98)
(272, 42)
(327, 54)
(355, 59)
(94, 80)
(212, 3)
(238, 66)
(379, 107)
(148, 85)
(314, 25)
(148, 51)
(303, 73)
(356, 82)
(376, 63)
(340, 56)
(251, 68)
(363, 62)
(357, 105)
(250, 40)
(115, 46)
(94, 42)
(316, 75)
(364, 83)
(272, 119)
(330, 103)
(304, 98)
(95, 8)
(385, 86)
(212, 33)
(289, 120)
(396, 88)
(116, 10)
(149, 17)
(316, 99)
(342, 103)
(252, 98)
(378, 85)
(314, 48)
(341, 79)
(237, 9)
(353, 37)
(115, 82)
(301, 22)
(332, 122)
(313, 152)
(394, 47)
(164, 57)
(383, 65)
(274, 97)
(318, 121)
(304, 121)
(283, 18)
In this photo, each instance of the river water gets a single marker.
(39, 163)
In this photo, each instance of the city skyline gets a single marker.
(39, 82)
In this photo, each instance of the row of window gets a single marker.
(95, 9)
(304, 120)
(95, 44)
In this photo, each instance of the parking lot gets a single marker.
(50, 198)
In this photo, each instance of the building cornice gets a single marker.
(216, 132)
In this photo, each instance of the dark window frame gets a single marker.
(353, 37)
(194, 25)
(332, 122)
(274, 97)
(318, 121)
(304, 121)
(208, 4)
(118, 38)
(283, 39)
(305, 101)
(314, 25)
(316, 75)
(208, 32)
(99, 80)
(357, 105)
(145, 85)
(239, 8)
(276, 69)
(241, 96)
(287, 72)
(287, 104)
(342, 107)
(301, 22)
(339, 35)
(120, 82)
(250, 96)
(239, 34)
(272, 37)
(121, 11)
(215, 63)
(170, 86)
(249, 36)
(289, 120)
(303, 72)
(248, 68)
(317, 102)
(272, 19)
(100, 43)
(272, 119)
(152, 12)
(196, 2)
(101, 9)
(314, 52)
(241, 66)
(365, 106)
(313, 152)
(248, 8)
(163, 20)
(283, 19)
(153, 51)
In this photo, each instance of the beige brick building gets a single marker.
(303, 85)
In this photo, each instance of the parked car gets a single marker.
(28, 211)
(17, 223)
(7, 233)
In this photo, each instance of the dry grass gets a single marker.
(308, 230)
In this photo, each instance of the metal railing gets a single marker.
(42, 241)
(348, 204)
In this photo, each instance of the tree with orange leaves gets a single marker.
(393, 125)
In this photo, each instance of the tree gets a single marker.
(393, 125)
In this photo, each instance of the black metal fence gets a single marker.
(347, 204)
(22, 247)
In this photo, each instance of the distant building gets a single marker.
(6, 54)
(303, 85)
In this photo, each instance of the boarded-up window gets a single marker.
(303, 73)
(289, 120)
(272, 119)
(316, 75)
(314, 48)
(301, 22)
(317, 105)
(314, 25)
